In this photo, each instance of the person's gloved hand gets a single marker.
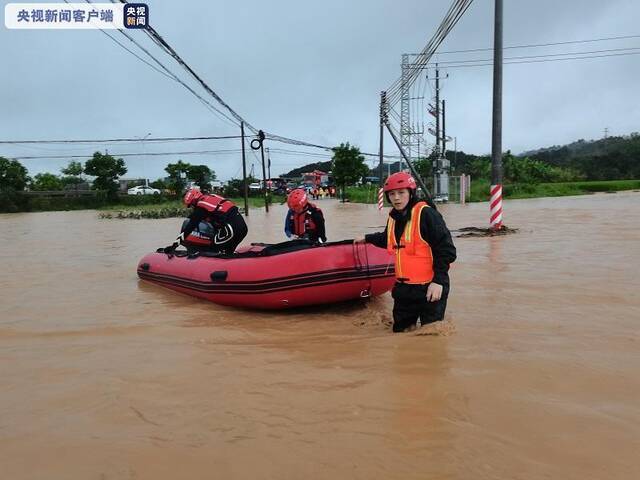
(176, 244)
(171, 247)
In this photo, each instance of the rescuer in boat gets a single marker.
(215, 224)
(304, 219)
(417, 236)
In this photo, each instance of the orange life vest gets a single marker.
(414, 260)
(215, 204)
(303, 222)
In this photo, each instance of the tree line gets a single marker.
(612, 158)
(106, 170)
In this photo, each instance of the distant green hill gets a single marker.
(611, 158)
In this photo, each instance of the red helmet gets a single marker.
(297, 200)
(399, 180)
(192, 196)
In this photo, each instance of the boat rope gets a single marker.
(366, 255)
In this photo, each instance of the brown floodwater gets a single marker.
(536, 374)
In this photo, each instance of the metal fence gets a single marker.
(459, 189)
(60, 193)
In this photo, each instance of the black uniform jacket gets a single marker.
(433, 229)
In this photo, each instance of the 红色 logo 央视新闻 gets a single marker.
(77, 16)
(136, 15)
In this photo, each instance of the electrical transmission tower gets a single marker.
(405, 121)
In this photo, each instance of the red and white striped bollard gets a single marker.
(496, 207)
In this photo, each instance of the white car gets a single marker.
(255, 186)
(142, 190)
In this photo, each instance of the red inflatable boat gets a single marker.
(284, 275)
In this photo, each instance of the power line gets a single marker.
(161, 42)
(451, 17)
(136, 55)
(299, 153)
(172, 75)
(155, 140)
(539, 44)
(455, 12)
(116, 140)
(311, 154)
(148, 154)
(548, 60)
(169, 73)
(521, 57)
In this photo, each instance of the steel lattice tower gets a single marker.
(405, 121)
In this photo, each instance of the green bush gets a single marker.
(362, 194)
(133, 200)
(11, 202)
(479, 191)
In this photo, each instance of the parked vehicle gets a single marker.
(255, 186)
(143, 190)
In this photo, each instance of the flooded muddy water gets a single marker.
(536, 375)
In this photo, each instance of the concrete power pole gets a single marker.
(440, 164)
(244, 172)
(268, 163)
(495, 201)
(444, 131)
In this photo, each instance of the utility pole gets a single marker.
(268, 164)
(440, 164)
(261, 137)
(495, 201)
(444, 133)
(455, 152)
(244, 172)
(258, 144)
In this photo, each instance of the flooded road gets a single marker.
(106, 377)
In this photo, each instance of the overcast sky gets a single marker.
(313, 71)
